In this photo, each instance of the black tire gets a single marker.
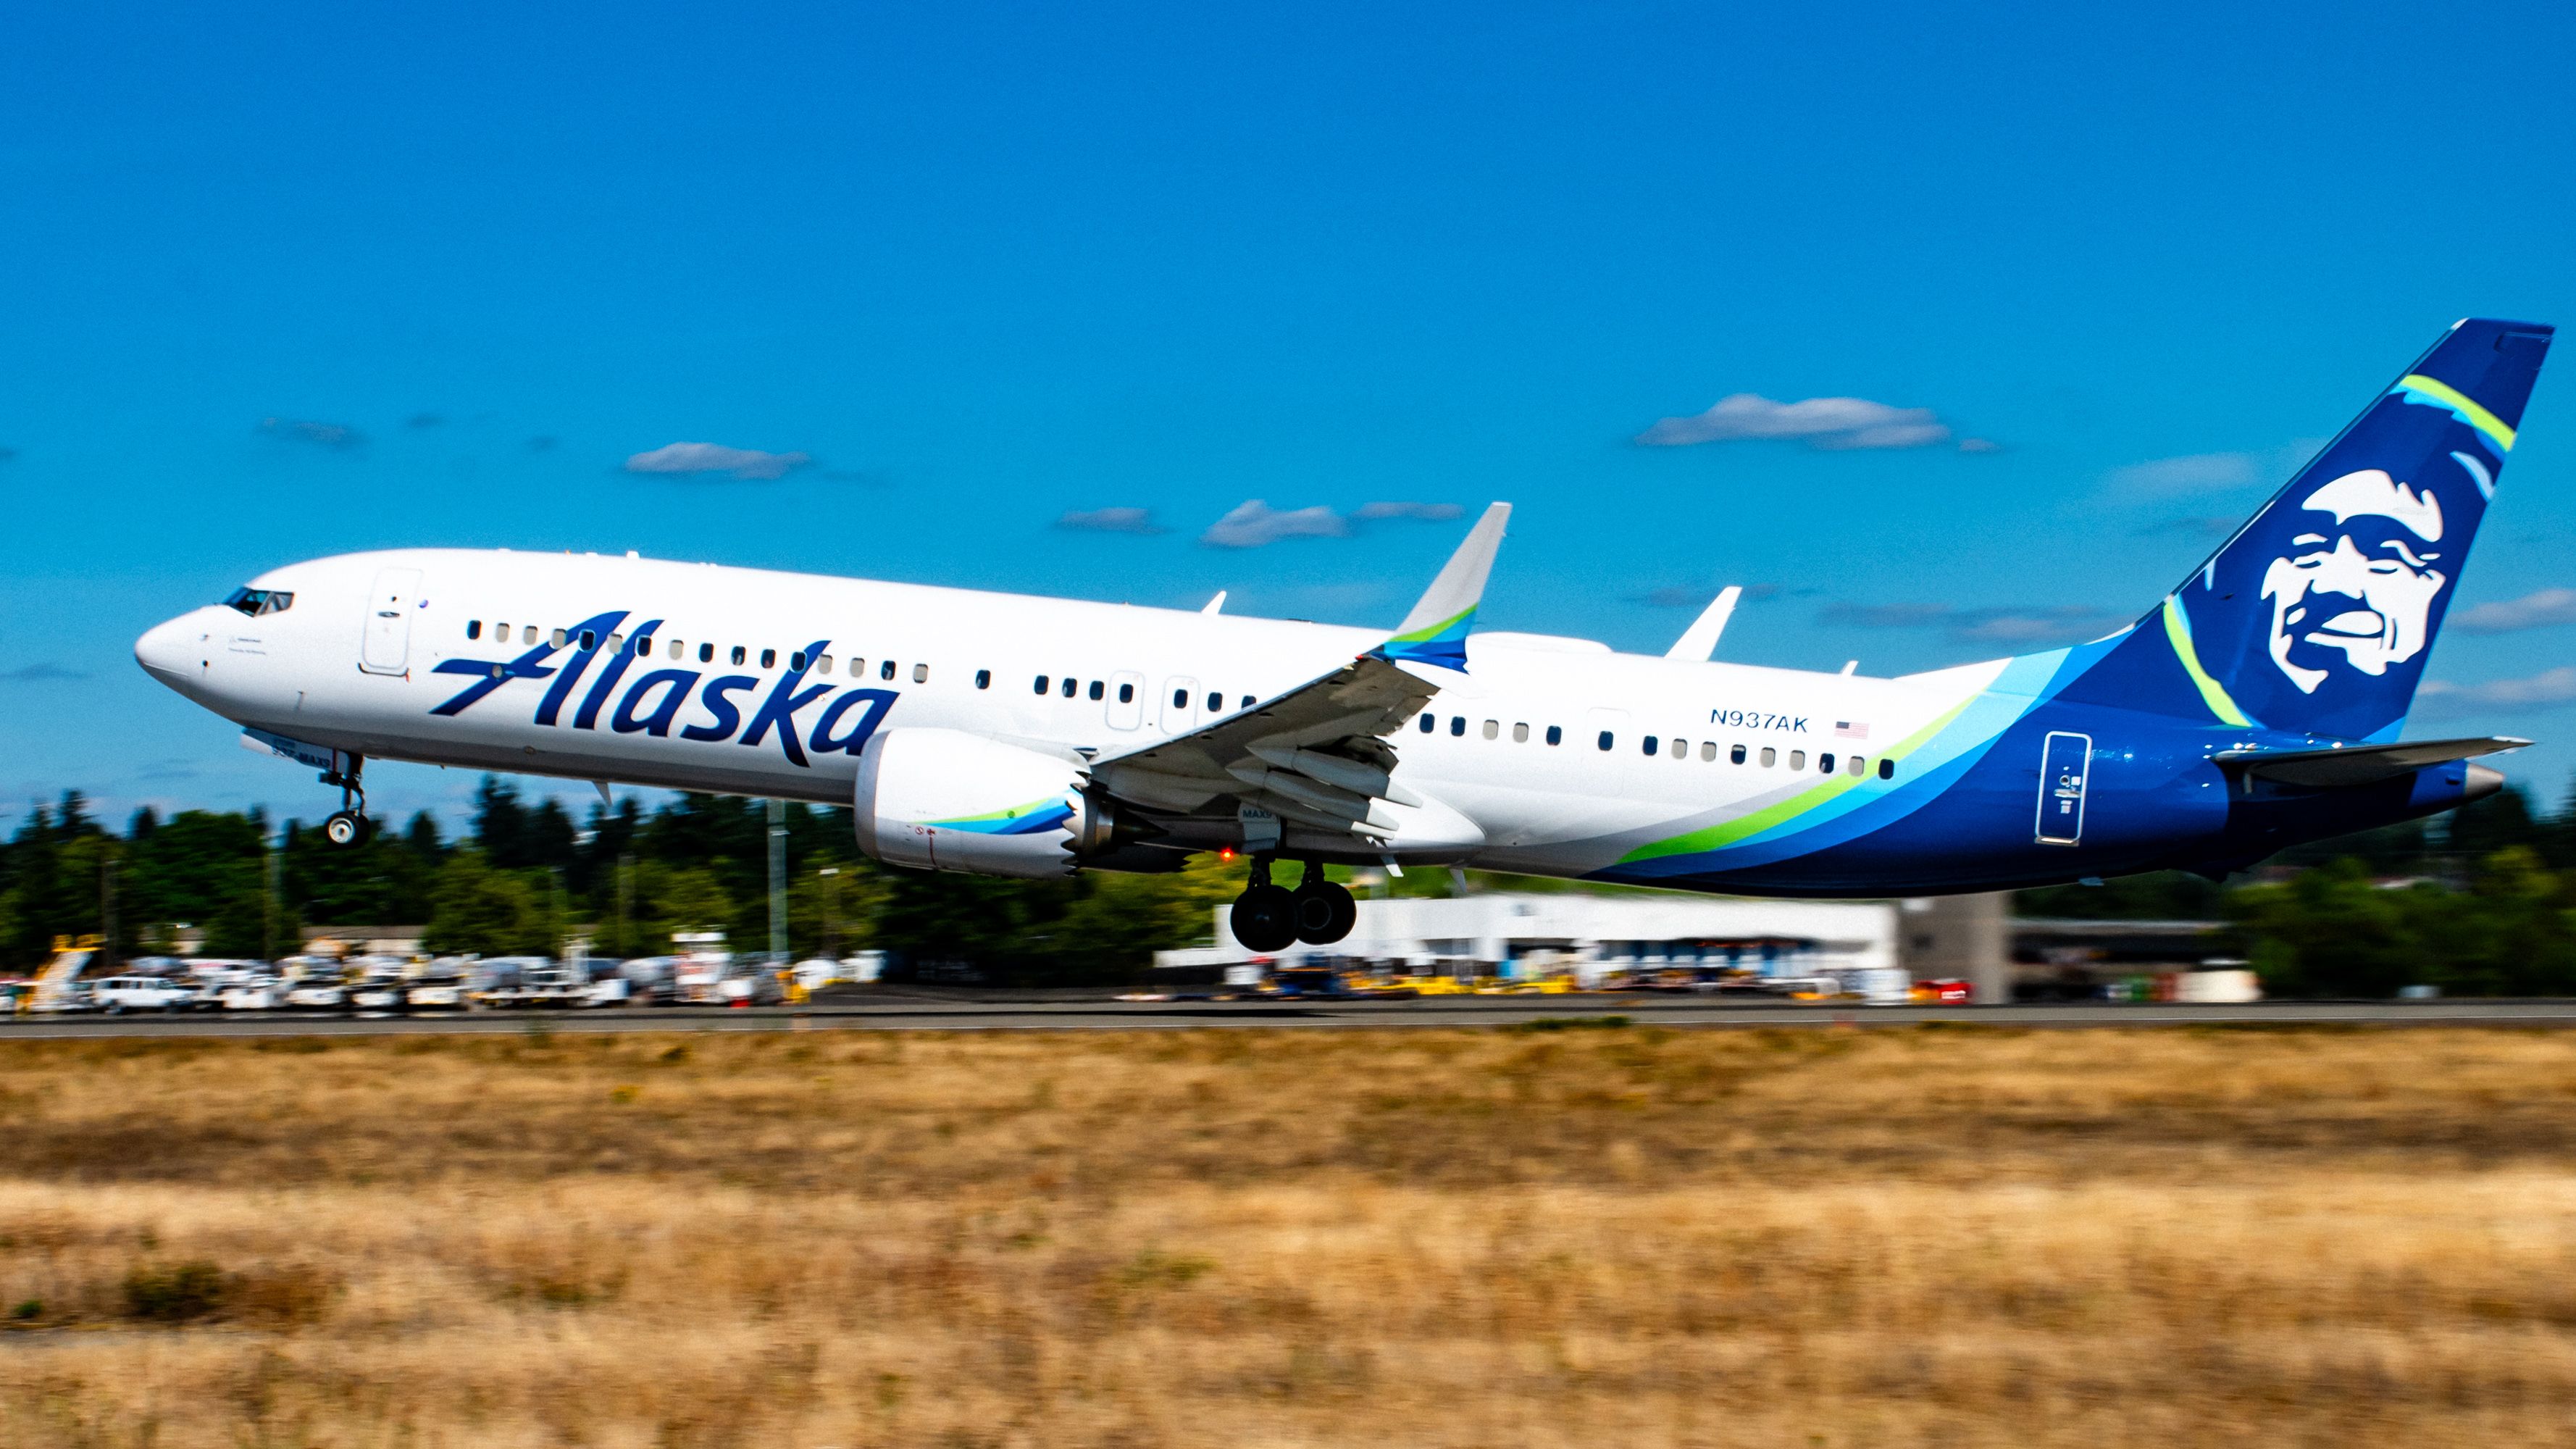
(1265, 919)
(345, 828)
(1325, 913)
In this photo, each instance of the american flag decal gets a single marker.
(1844, 729)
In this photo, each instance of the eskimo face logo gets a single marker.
(2364, 587)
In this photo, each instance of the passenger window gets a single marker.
(1493, 728)
(769, 659)
(1886, 768)
(822, 665)
(1126, 694)
(858, 667)
(983, 679)
(1070, 685)
(1429, 722)
(1180, 699)
(1098, 690)
(1555, 736)
(921, 674)
(1770, 757)
(616, 643)
(1216, 703)
(1708, 749)
(1824, 764)
(1681, 749)
(643, 644)
(706, 654)
(1457, 725)
(589, 638)
(1247, 703)
(740, 654)
(559, 636)
(1857, 768)
(796, 659)
(1605, 739)
(1654, 746)
(473, 628)
(1797, 759)
(1042, 684)
(1520, 734)
(501, 632)
(1735, 756)
(678, 648)
(885, 669)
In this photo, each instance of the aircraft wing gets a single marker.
(1318, 755)
(2358, 764)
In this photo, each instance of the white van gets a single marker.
(117, 995)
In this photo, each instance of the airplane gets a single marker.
(2256, 706)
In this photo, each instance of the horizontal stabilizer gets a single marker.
(2358, 764)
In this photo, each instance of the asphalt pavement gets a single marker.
(1003, 1015)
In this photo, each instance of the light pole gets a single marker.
(831, 912)
(778, 882)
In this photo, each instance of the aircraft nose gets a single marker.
(170, 652)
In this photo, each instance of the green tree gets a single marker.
(478, 909)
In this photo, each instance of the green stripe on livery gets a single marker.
(1744, 827)
(2212, 693)
(1433, 631)
(2434, 390)
(1013, 813)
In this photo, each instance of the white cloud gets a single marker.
(689, 458)
(1819, 422)
(41, 673)
(1110, 520)
(1980, 445)
(2548, 688)
(2047, 624)
(2212, 472)
(1255, 523)
(339, 436)
(2531, 611)
(1428, 512)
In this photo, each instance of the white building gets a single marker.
(1591, 935)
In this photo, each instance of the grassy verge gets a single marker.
(1621, 1235)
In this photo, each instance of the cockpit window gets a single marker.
(256, 602)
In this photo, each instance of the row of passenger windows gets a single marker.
(1071, 687)
(1655, 745)
(706, 653)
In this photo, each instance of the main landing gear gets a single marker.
(1270, 918)
(347, 825)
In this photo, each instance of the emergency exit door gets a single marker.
(387, 649)
(2065, 762)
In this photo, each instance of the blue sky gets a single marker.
(985, 268)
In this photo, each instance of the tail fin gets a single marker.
(2318, 615)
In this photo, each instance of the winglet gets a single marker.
(1436, 631)
(1698, 643)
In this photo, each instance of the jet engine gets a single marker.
(948, 800)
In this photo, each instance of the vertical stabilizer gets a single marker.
(2319, 614)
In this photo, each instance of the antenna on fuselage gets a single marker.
(1215, 605)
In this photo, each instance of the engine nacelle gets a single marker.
(948, 800)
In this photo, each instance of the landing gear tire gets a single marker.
(1265, 919)
(1325, 911)
(345, 828)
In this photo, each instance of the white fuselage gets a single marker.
(355, 663)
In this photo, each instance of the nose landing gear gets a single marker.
(347, 826)
(1267, 917)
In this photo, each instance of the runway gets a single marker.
(944, 1015)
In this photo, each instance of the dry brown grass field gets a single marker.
(1624, 1236)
